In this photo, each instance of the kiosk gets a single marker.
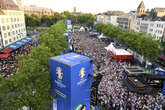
(71, 80)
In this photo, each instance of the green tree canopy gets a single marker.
(31, 85)
(143, 44)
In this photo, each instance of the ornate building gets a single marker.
(12, 23)
(141, 9)
(37, 10)
(41, 11)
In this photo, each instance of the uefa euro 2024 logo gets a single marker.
(82, 73)
(59, 73)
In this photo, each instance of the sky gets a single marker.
(94, 6)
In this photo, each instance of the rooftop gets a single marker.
(8, 4)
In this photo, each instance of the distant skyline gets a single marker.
(94, 6)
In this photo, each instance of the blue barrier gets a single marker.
(163, 91)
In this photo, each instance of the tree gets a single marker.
(143, 44)
(86, 19)
(31, 85)
(47, 20)
(32, 20)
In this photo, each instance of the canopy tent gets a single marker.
(7, 50)
(13, 46)
(28, 38)
(118, 53)
(82, 29)
(121, 54)
(102, 36)
(110, 47)
(4, 56)
(19, 43)
(24, 40)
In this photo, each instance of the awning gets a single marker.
(4, 55)
(13, 46)
(28, 38)
(7, 50)
(24, 40)
(19, 43)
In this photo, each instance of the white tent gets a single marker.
(102, 36)
(82, 29)
(110, 47)
(118, 53)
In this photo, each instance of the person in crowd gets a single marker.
(111, 94)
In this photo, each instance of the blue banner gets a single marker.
(68, 22)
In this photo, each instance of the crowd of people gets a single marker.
(9, 65)
(110, 93)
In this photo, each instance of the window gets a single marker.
(9, 34)
(11, 19)
(12, 26)
(13, 32)
(8, 27)
(5, 35)
(6, 42)
(7, 20)
(15, 25)
(10, 40)
(4, 28)
(14, 38)
(14, 19)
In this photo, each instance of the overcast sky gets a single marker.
(94, 6)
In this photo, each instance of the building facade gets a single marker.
(137, 24)
(159, 12)
(115, 13)
(155, 28)
(32, 9)
(163, 38)
(113, 20)
(103, 18)
(37, 10)
(127, 21)
(12, 24)
(107, 19)
(144, 25)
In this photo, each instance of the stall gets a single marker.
(118, 54)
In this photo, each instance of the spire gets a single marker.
(141, 5)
